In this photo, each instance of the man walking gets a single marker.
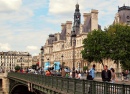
(92, 71)
(106, 74)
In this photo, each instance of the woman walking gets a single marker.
(113, 75)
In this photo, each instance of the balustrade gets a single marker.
(69, 85)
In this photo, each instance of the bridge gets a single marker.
(23, 83)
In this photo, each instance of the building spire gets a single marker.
(77, 19)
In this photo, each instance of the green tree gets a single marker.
(96, 46)
(34, 67)
(17, 68)
(85, 68)
(113, 43)
(120, 44)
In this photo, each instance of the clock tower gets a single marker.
(77, 19)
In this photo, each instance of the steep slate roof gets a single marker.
(51, 39)
(63, 34)
(87, 25)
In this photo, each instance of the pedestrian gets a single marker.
(76, 74)
(106, 74)
(92, 71)
(48, 73)
(89, 77)
(123, 75)
(63, 73)
(79, 75)
(113, 75)
(126, 72)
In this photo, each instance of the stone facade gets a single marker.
(59, 44)
(10, 59)
(35, 60)
(123, 15)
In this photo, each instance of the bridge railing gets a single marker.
(71, 86)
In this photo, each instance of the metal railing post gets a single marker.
(105, 87)
(62, 84)
(67, 85)
(83, 87)
(123, 89)
(74, 88)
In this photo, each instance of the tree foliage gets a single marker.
(17, 68)
(120, 44)
(85, 68)
(113, 43)
(96, 46)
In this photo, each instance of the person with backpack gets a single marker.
(92, 71)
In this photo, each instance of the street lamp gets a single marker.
(10, 61)
(1, 62)
(48, 59)
(62, 61)
(48, 62)
(42, 50)
(73, 36)
(14, 61)
(28, 61)
(21, 63)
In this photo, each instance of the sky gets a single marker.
(26, 24)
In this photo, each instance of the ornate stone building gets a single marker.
(35, 60)
(58, 46)
(10, 59)
(123, 15)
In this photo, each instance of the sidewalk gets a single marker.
(118, 80)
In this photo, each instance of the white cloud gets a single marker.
(26, 24)
(4, 47)
(32, 47)
(61, 6)
(107, 9)
(9, 5)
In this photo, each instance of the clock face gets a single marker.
(77, 16)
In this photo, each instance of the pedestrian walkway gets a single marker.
(118, 80)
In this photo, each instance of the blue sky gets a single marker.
(26, 24)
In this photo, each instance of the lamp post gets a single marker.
(28, 61)
(48, 62)
(48, 59)
(42, 58)
(1, 62)
(73, 36)
(10, 62)
(21, 63)
(62, 61)
(14, 61)
(42, 50)
(5, 67)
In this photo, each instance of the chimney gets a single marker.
(86, 15)
(94, 19)
(62, 26)
(68, 26)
